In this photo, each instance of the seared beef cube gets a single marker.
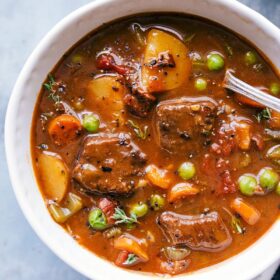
(185, 124)
(205, 232)
(109, 164)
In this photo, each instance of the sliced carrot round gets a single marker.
(182, 190)
(64, 129)
(248, 101)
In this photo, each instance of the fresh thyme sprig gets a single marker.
(121, 218)
(141, 133)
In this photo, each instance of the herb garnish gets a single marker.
(265, 114)
(229, 50)
(121, 218)
(51, 86)
(132, 258)
(236, 225)
(142, 134)
(188, 38)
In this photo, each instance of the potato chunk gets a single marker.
(54, 175)
(105, 95)
(166, 63)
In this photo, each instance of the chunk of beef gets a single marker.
(184, 124)
(205, 232)
(139, 103)
(108, 164)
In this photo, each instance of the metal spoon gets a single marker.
(236, 85)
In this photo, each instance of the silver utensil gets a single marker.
(238, 86)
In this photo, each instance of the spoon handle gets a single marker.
(238, 86)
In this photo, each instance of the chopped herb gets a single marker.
(189, 37)
(235, 222)
(229, 50)
(51, 86)
(131, 259)
(121, 218)
(142, 134)
(265, 114)
(236, 225)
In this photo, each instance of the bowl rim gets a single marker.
(269, 28)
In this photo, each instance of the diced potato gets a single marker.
(54, 175)
(156, 79)
(243, 135)
(73, 204)
(105, 94)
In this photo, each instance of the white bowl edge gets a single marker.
(17, 130)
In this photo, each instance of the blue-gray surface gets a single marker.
(23, 23)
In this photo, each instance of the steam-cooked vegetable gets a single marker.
(182, 190)
(274, 120)
(158, 177)
(176, 253)
(268, 178)
(243, 135)
(274, 154)
(63, 129)
(72, 205)
(248, 212)
(274, 88)
(139, 209)
(186, 170)
(166, 62)
(106, 93)
(157, 202)
(200, 84)
(247, 184)
(91, 123)
(215, 62)
(54, 175)
(97, 220)
(250, 58)
(129, 243)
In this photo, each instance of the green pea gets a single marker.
(200, 84)
(215, 62)
(91, 123)
(278, 188)
(250, 58)
(139, 209)
(274, 88)
(186, 170)
(268, 178)
(157, 202)
(247, 184)
(97, 219)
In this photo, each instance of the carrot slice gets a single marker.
(64, 129)
(248, 101)
(182, 190)
(248, 212)
(158, 177)
(128, 243)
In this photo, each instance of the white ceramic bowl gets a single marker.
(230, 13)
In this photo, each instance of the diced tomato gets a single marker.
(227, 185)
(208, 164)
(107, 62)
(121, 258)
(108, 208)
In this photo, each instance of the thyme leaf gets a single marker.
(141, 133)
(131, 259)
(51, 87)
(189, 37)
(236, 225)
(265, 114)
(121, 218)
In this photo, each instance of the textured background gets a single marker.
(23, 23)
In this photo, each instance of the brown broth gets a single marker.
(119, 38)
